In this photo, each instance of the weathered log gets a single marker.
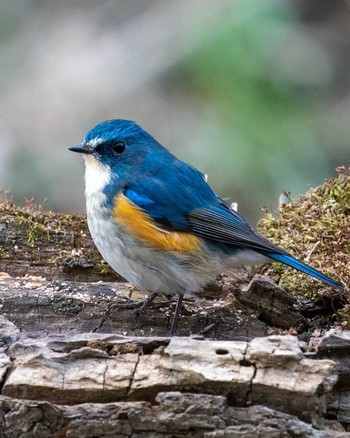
(93, 368)
(173, 414)
(336, 345)
(100, 384)
(34, 304)
(273, 304)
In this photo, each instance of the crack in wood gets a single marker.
(132, 376)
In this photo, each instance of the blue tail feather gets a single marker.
(300, 266)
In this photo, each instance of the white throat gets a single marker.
(97, 176)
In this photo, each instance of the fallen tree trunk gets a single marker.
(65, 371)
(108, 385)
(174, 414)
(35, 304)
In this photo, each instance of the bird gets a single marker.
(157, 222)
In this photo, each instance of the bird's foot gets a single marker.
(143, 304)
(139, 306)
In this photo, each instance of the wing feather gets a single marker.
(225, 226)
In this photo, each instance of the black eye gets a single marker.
(119, 147)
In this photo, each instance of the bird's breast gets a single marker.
(145, 255)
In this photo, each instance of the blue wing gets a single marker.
(169, 195)
(183, 201)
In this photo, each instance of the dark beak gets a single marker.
(82, 149)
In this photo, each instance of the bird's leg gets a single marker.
(139, 306)
(176, 314)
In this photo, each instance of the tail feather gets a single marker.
(300, 266)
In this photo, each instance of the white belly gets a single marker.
(146, 267)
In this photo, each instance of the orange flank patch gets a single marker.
(137, 222)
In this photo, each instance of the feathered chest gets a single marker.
(123, 216)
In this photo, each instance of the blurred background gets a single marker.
(254, 93)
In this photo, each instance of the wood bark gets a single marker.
(111, 385)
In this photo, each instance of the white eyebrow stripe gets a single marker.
(95, 142)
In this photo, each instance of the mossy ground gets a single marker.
(32, 217)
(47, 243)
(315, 228)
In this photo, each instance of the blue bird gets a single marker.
(157, 222)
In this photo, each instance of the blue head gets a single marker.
(120, 145)
(118, 152)
(114, 130)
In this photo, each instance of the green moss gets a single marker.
(32, 219)
(344, 314)
(35, 230)
(3, 254)
(53, 260)
(51, 238)
(315, 228)
(103, 268)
